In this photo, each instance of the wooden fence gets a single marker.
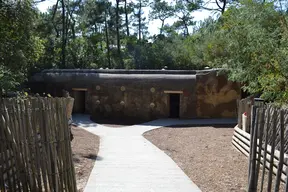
(265, 145)
(35, 150)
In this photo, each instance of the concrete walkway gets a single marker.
(127, 162)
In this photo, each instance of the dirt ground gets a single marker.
(206, 155)
(85, 147)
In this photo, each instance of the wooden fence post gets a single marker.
(281, 158)
(272, 150)
(35, 149)
(252, 154)
(259, 134)
(266, 145)
(250, 115)
(266, 131)
(240, 111)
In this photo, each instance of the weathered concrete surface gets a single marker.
(216, 96)
(143, 99)
(139, 94)
(127, 162)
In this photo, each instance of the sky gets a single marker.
(154, 26)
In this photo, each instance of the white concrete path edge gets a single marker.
(127, 162)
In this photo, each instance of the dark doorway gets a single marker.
(79, 101)
(174, 105)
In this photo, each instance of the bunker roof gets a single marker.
(127, 71)
(88, 76)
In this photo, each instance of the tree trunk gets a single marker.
(223, 7)
(63, 35)
(139, 20)
(72, 24)
(107, 41)
(186, 28)
(162, 25)
(67, 24)
(54, 12)
(73, 30)
(118, 35)
(56, 30)
(126, 18)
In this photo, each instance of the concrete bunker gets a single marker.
(143, 94)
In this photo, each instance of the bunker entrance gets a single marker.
(79, 101)
(174, 105)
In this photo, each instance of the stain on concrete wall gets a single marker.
(216, 96)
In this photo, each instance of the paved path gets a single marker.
(127, 162)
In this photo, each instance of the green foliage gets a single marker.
(20, 47)
(161, 10)
(250, 41)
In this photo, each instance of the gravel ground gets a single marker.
(85, 147)
(206, 155)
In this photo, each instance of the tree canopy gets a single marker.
(248, 40)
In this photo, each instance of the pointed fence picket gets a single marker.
(35, 150)
(266, 145)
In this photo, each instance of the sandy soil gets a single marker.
(206, 155)
(85, 147)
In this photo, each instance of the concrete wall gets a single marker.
(129, 103)
(216, 96)
(126, 96)
(143, 101)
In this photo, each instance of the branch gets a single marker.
(218, 4)
(55, 9)
(70, 12)
(224, 6)
(39, 1)
(210, 9)
(54, 25)
(207, 2)
(207, 8)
